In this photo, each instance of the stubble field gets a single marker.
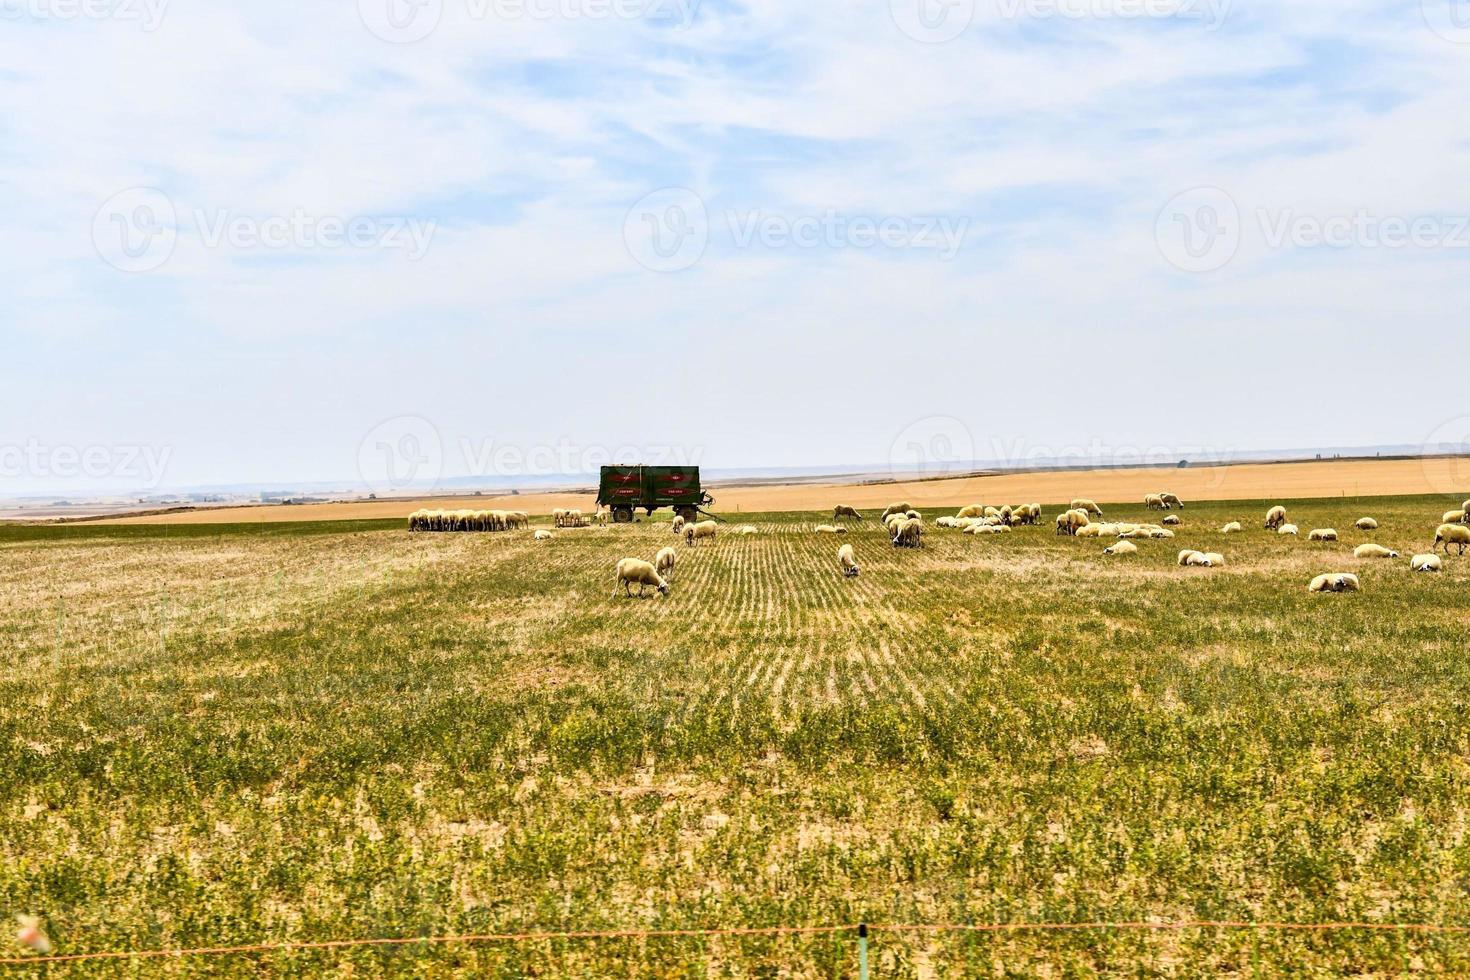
(223, 735)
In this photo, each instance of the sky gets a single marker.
(398, 241)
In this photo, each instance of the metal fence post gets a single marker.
(862, 951)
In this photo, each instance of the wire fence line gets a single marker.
(862, 930)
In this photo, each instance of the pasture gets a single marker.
(219, 735)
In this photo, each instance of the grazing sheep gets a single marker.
(1171, 500)
(1172, 521)
(842, 510)
(971, 510)
(1456, 534)
(663, 562)
(1193, 559)
(1215, 559)
(632, 570)
(1322, 534)
(1083, 504)
(703, 529)
(1426, 563)
(913, 515)
(1122, 548)
(1287, 529)
(1069, 522)
(1465, 506)
(1232, 528)
(909, 534)
(542, 534)
(1154, 501)
(1334, 582)
(1454, 517)
(829, 529)
(848, 560)
(1373, 551)
(1366, 524)
(1275, 517)
(892, 509)
(992, 512)
(678, 524)
(1029, 514)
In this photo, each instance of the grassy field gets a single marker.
(221, 735)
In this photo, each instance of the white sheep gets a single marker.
(909, 534)
(1171, 500)
(1426, 563)
(663, 563)
(1373, 551)
(1171, 521)
(1194, 559)
(1122, 548)
(1322, 534)
(1214, 559)
(1456, 534)
(829, 529)
(848, 560)
(1454, 517)
(1232, 528)
(703, 529)
(1070, 521)
(678, 524)
(1334, 582)
(752, 529)
(842, 510)
(1275, 517)
(1091, 531)
(1288, 529)
(1083, 504)
(632, 570)
(971, 510)
(542, 534)
(892, 509)
(1154, 501)
(1366, 524)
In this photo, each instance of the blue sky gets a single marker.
(1042, 176)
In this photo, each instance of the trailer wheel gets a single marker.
(622, 515)
(690, 514)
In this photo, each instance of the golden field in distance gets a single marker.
(1245, 481)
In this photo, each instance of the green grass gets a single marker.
(227, 735)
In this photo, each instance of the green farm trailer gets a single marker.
(623, 489)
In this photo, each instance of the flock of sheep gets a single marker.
(905, 527)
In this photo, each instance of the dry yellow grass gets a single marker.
(1246, 481)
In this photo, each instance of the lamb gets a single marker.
(1214, 559)
(848, 560)
(1083, 504)
(1232, 528)
(1426, 563)
(1366, 524)
(1122, 548)
(1456, 534)
(542, 534)
(703, 529)
(1154, 501)
(1334, 582)
(632, 570)
(678, 524)
(1373, 551)
(1275, 517)
(1322, 534)
(1454, 516)
(1193, 559)
(663, 563)
(1172, 521)
(842, 510)
(1287, 529)
(1171, 500)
